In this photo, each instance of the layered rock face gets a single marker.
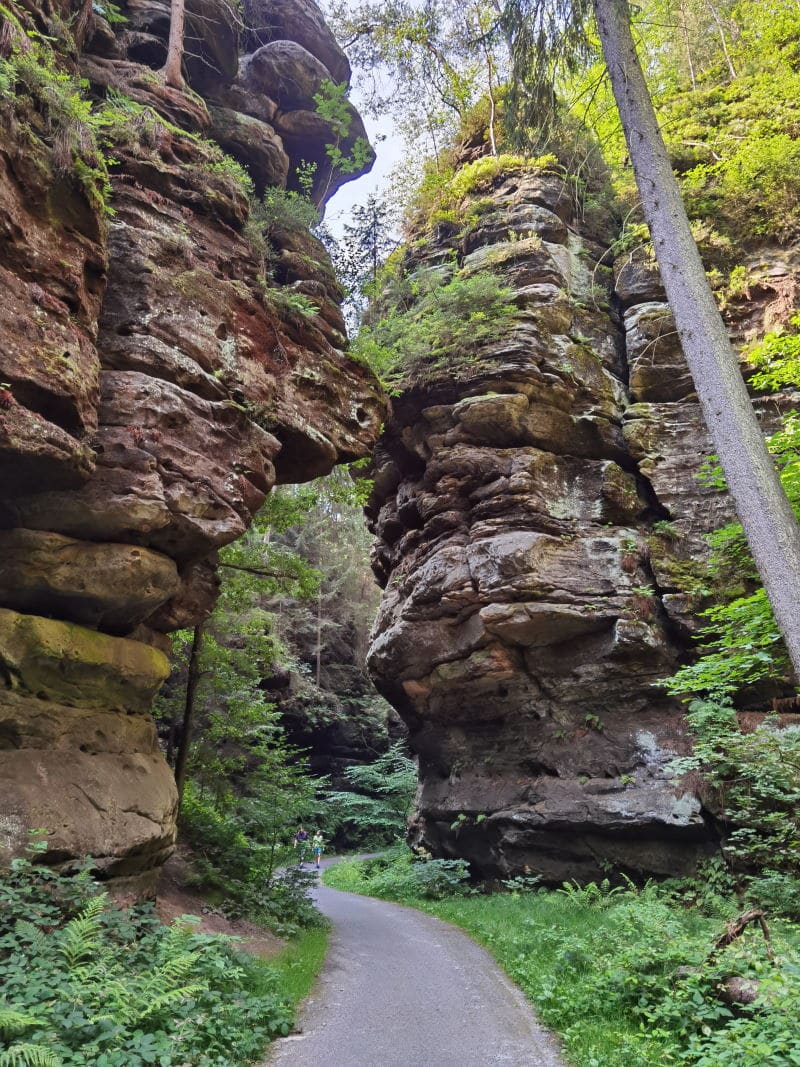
(155, 382)
(536, 507)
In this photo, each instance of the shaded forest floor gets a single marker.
(177, 896)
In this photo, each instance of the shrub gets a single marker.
(95, 985)
(443, 189)
(400, 874)
(443, 330)
(757, 776)
(285, 208)
(248, 876)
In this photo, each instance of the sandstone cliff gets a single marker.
(538, 513)
(157, 377)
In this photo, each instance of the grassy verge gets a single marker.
(300, 963)
(622, 975)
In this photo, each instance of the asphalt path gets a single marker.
(402, 989)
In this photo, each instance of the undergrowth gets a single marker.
(625, 975)
(84, 982)
(440, 326)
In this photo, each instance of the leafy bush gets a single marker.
(757, 776)
(99, 986)
(443, 329)
(777, 892)
(246, 875)
(285, 208)
(400, 874)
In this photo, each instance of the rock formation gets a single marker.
(155, 382)
(537, 510)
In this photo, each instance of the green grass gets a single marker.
(600, 967)
(300, 963)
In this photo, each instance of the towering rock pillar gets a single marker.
(157, 377)
(523, 630)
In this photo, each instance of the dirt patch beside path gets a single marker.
(175, 898)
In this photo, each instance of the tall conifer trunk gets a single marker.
(761, 504)
(192, 678)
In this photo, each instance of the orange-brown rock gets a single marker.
(154, 384)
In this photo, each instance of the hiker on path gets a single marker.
(301, 843)
(317, 847)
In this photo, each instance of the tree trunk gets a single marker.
(173, 73)
(763, 509)
(687, 45)
(319, 636)
(721, 30)
(192, 679)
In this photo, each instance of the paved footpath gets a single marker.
(402, 989)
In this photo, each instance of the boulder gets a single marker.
(286, 72)
(254, 143)
(300, 21)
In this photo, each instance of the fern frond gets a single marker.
(171, 996)
(79, 936)
(13, 1021)
(32, 933)
(25, 1055)
(172, 971)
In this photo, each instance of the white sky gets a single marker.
(389, 148)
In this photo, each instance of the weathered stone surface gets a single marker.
(211, 27)
(658, 371)
(287, 72)
(305, 135)
(153, 386)
(521, 634)
(69, 663)
(94, 778)
(110, 586)
(254, 143)
(52, 272)
(637, 280)
(542, 533)
(300, 21)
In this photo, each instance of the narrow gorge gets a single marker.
(163, 365)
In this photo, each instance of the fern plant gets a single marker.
(25, 1055)
(91, 985)
(14, 1022)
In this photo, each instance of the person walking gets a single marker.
(317, 847)
(301, 843)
